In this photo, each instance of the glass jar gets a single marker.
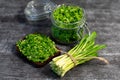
(68, 33)
(38, 9)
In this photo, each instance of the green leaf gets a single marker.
(36, 47)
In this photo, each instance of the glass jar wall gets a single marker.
(69, 32)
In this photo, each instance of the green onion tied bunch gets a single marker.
(84, 51)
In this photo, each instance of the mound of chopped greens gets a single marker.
(67, 21)
(68, 15)
(36, 47)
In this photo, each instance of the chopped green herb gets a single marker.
(36, 47)
(66, 35)
(67, 21)
(68, 16)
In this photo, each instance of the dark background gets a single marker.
(103, 16)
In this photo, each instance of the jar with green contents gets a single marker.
(68, 23)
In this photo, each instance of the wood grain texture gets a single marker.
(103, 16)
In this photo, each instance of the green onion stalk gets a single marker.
(84, 51)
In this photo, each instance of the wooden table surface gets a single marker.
(103, 16)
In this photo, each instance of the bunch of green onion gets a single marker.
(84, 51)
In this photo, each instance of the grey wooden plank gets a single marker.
(102, 16)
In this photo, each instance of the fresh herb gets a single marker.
(67, 35)
(82, 52)
(68, 16)
(36, 47)
(67, 21)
